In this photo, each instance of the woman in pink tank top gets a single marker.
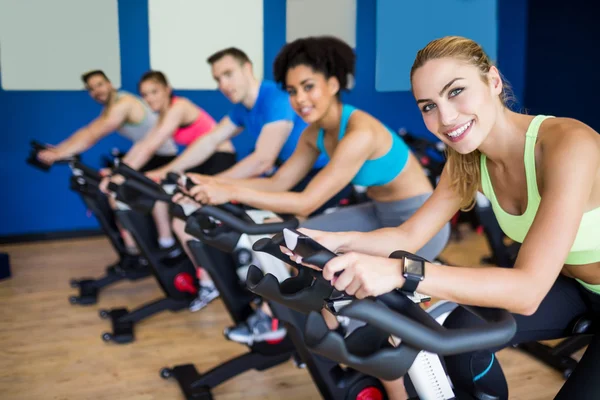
(184, 122)
(178, 119)
(187, 133)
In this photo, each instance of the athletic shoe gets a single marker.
(206, 294)
(259, 327)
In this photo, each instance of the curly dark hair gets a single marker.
(325, 54)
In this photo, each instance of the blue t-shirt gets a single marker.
(272, 104)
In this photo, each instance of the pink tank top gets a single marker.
(185, 135)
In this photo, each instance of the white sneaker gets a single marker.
(206, 294)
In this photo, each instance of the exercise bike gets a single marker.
(84, 181)
(219, 236)
(560, 356)
(418, 337)
(221, 231)
(172, 269)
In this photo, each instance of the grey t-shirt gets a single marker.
(136, 132)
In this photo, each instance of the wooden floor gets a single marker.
(50, 349)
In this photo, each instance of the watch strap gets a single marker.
(401, 254)
(409, 285)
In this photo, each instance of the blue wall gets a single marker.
(37, 202)
(398, 109)
(562, 79)
(397, 43)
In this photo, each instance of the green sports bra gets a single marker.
(585, 249)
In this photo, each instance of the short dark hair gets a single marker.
(86, 77)
(153, 76)
(325, 54)
(230, 51)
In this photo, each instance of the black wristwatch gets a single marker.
(413, 270)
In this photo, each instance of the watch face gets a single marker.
(413, 267)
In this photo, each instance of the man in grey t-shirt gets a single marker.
(132, 118)
(123, 112)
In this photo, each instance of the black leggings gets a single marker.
(554, 319)
(218, 162)
(156, 162)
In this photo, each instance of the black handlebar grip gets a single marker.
(242, 226)
(388, 364)
(278, 239)
(154, 193)
(234, 209)
(271, 247)
(172, 178)
(130, 173)
(189, 184)
(37, 145)
(113, 187)
(87, 171)
(499, 328)
(297, 292)
(320, 258)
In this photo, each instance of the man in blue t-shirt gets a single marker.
(262, 111)
(269, 127)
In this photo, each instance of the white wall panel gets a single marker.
(184, 33)
(48, 44)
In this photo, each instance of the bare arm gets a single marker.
(411, 235)
(351, 153)
(565, 193)
(89, 135)
(142, 151)
(270, 141)
(289, 174)
(204, 147)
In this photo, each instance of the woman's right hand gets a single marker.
(199, 179)
(103, 186)
(104, 172)
(157, 175)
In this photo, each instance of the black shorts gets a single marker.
(564, 304)
(217, 163)
(156, 162)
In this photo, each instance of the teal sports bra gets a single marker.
(376, 172)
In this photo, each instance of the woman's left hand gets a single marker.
(364, 275)
(117, 179)
(184, 201)
(199, 178)
(211, 193)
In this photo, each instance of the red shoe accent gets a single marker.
(274, 326)
(370, 393)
